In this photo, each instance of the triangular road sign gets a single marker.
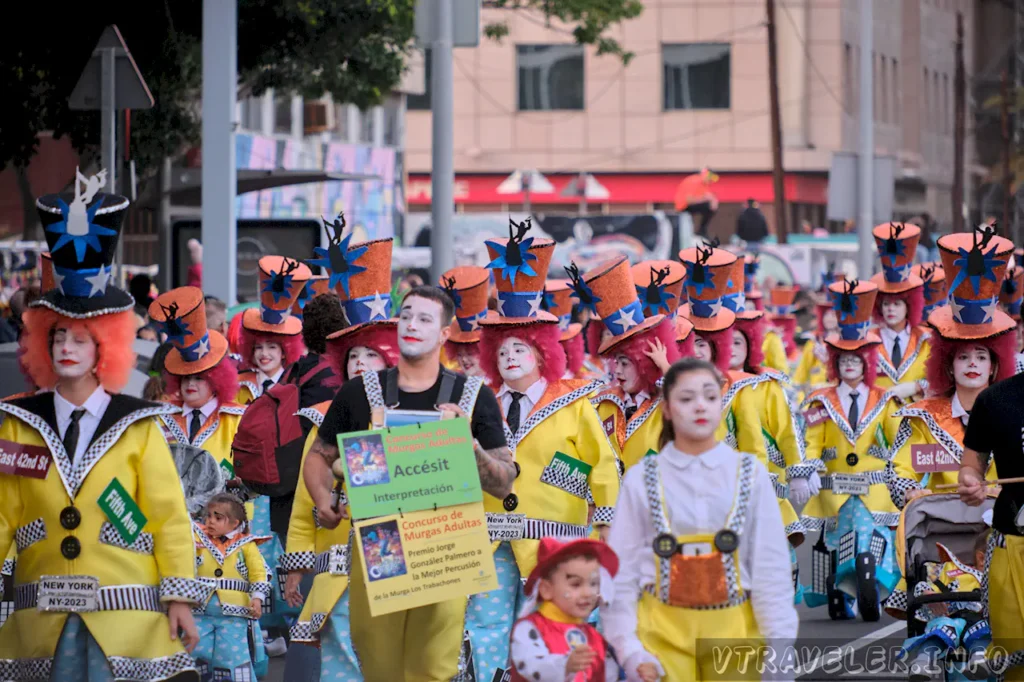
(130, 90)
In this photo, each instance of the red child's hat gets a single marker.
(553, 551)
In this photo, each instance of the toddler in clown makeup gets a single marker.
(553, 642)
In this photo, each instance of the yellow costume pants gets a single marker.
(419, 645)
(694, 645)
(1006, 599)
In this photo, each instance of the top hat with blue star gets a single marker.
(751, 267)
(366, 296)
(282, 279)
(735, 298)
(181, 314)
(853, 302)
(315, 286)
(520, 266)
(897, 244)
(559, 301)
(659, 284)
(975, 264)
(934, 279)
(82, 232)
(707, 282)
(1011, 295)
(46, 281)
(608, 289)
(469, 287)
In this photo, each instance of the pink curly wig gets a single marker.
(114, 335)
(939, 366)
(819, 318)
(292, 347)
(594, 331)
(914, 300)
(545, 339)
(869, 354)
(383, 339)
(574, 353)
(787, 328)
(758, 303)
(721, 348)
(222, 377)
(685, 347)
(753, 332)
(452, 349)
(636, 347)
(234, 335)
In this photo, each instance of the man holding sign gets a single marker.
(422, 643)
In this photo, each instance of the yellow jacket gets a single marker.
(915, 355)
(562, 424)
(310, 548)
(235, 571)
(811, 372)
(926, 422)
(740, 427)
(249, 387)
(215, 436)
(836, 448)
(775, 352)
(61, 530)
(631, 441)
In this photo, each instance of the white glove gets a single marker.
(814, 483)
(799, 491)
(906, 390)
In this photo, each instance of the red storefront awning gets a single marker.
(626, 188)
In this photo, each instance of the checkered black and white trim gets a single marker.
(899, 486)
(574, 486)
(639, 420)
(809, 466)
(229, 584)
(743, 597)
(113, 598)
(262, 589)
(543, 413)
(323, 560)
(839, 420)
(894, 373)
(255, 389)
(308, 630)
(795, 528)
(242, 541)
(313, 415)
(374, 392)
(125, 668)
(30, 534)
(171, 427)
(231, 610)
(297, 561)
(771, 447)
(182, 589)
(781, 489)
(52, 440)
(815, 523)
(470, 391)
(8, 567)
(604, 515)
(27, 669)
(109, 536)
(737, 386)
(204, 540)
(941, 436)
(538, 529)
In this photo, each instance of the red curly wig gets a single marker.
(452, 350)
(868, 354)
(753, 332)
(685, 347)
(234, 335)
(819, 319)
(787, 330)
(114, 335)
(939, 366)
(545, 339)
(222, 377)
(914, 300)
(574, 354)
(636, 347)
(381, 338)
(721, 348)
(292, 347)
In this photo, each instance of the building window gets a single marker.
(392, 115)
(366, 126)
(283, 114)
(550, 77)
(252, 114)
(696, 76)
(422, 102)
(341, 121)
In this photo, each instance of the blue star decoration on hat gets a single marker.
(448, 285)
(337, 259)
(654, 296)
(174, 327)
(271, 316)
(976, 263)
(279, 284)
(845, 304)
(581, 291)
(514, 256)
(698, 275)
(72, 234)
(893, 247)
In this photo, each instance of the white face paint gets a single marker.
(516, 359)
(627, 375)
(268, 357)
(694, 405)
(702, 349)
(74, 352)
(894, 312)
(851, 368)
(362, 359)
(419, 327)
(739, 351)
(972, 367)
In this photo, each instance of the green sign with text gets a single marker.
(122, 512)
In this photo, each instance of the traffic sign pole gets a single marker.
(442, 173)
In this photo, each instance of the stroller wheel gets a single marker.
(836, 600)
(867, 588)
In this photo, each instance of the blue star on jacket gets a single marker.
(339, 262)
(81, 242)
(512, 262)
(975, 265)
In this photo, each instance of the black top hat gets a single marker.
(83, 239)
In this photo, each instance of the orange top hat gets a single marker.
(46, 280)
(751, 266)
(315, 286)
(707, 281)
(683, 326)
(976, 263)
(340, 260)
(828, 277)
(281, 281)
(781, 299)
(897, 244)
(181, 314)
(520, 265)
(608, 290)
(853, 302)
(735, 299)
(366, 296)
(659, 284)
(1012, 292)
(558, 301)
(468, 287)
(934, 279)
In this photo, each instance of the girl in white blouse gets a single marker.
(703, 545)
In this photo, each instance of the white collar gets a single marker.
(535, 392)
(888, 336)
(638, 399)
(207, 408)
(845, 391)
(96, 404)
(263, 377)
(957, 408)
(709, 460)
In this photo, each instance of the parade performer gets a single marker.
(898, 310)
(102, 502)
(659, 285)
(681, 580)
(811, 371)
(558, 301)
(564, 458)
(934, 286)
(629, 409)
(594, 334)
(236, 583)
(271, 335)
(553, 642)
(773, 347)
(850, 427)
(199, 373)
(782, 319)
(469, 287)
(424, 643)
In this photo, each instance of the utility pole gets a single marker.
(1007, 222)
(866, 161)
(781, 227)
(442, 173)
(959, 123)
